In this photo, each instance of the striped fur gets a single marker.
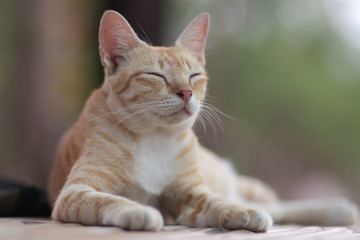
(132, 158)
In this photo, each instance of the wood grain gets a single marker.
(41, 229)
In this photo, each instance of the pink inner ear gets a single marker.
(193, 38)
(116, 38)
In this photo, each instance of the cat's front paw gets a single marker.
(140, 218)
(259, 221)
(250, 219)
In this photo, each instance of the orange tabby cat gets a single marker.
(132, 159)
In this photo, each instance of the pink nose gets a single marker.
(185, 94)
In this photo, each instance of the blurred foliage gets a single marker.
(286, 72)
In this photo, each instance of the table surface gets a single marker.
(39, 229)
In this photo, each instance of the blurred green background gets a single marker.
(288, 71)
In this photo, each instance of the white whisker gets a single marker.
(200, 120)
(215, 109)
(212, 115)
(140, 109)
(209, 119)
(146, 36)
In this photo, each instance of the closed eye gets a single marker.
(194, 77)
(157, 75)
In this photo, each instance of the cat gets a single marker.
(133, 161)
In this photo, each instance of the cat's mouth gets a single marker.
(176, 116)
(184, 110)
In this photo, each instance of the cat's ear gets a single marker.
(116, 38)
(193, 38)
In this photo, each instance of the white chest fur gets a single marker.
(154, 159)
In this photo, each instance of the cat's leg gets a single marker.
(219, 175)
(88, 199)
(328, 212)
(195, 205)
(254, 190)
(221, 178)
(83, 204)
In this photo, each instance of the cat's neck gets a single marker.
(170, 131)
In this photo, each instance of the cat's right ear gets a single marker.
(116, 38)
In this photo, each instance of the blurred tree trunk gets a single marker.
(46, 85)
(55, 64)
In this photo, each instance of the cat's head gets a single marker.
(150, 87)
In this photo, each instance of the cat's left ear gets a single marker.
(193, 38)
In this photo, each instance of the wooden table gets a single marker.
(42, 229)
